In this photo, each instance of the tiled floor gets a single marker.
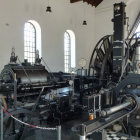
(113, 136)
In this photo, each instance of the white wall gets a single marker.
(14, 13)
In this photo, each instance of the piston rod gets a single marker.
(114, 109)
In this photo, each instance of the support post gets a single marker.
(15, 91)
(82, 137)
(82, 132)
(59, 132)
(1, 122)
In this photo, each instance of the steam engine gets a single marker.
(108, 96)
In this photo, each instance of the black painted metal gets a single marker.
(101, 59)
(119, 21)
(100, 124)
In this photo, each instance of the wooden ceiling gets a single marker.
(92, 2)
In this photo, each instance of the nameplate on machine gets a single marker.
(116, 47)
(118, 41)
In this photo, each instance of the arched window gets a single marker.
(32, 40)
(69, 50)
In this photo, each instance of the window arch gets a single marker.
(32, 40)
(69, 50)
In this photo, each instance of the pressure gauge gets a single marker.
(82, 63)
(117, 7)
(70, 82)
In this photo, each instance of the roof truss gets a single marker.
(92, 2)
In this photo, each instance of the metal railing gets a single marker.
(2, 111)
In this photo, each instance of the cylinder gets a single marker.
(91, 117)
(138, 59)
(82, 137)
(59, 132)
(108, 99)
(114, 109)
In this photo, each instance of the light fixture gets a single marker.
(48, 8)
(84, 22)
(84, 13)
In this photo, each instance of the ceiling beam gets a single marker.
(72, 1)
(97, 2)
(92, 2)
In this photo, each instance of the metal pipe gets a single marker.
(15, 91)
(82, 137)
(59, 132)
(1, 122)
(138, 59)
(114, 109)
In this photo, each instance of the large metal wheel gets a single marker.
(101, 59)
(133, 43)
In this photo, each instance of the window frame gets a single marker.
(35, 40)
(67, 69)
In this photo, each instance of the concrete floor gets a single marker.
(67, 133)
